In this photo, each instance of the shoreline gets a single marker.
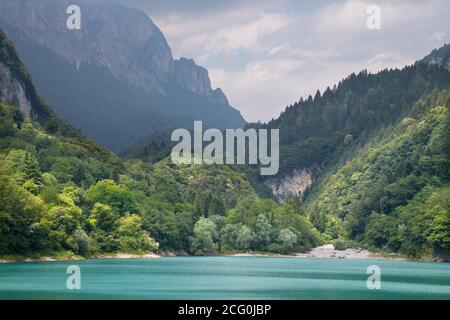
(329, 252)
(321, 252)
(80, 258)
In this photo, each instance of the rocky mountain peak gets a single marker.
(123, 40)
(196, 79)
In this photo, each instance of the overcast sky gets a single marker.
(266, 54)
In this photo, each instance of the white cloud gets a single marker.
(266, 56)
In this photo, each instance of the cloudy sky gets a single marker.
(266, 54)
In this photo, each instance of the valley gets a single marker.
(365, 164)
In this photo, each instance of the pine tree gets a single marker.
(32, 170)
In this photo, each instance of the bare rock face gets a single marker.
(12, 91)
(123, 40)
(196, 79)
(294, 184)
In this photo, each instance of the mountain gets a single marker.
(367, 162)
(394, 194)
(115, 78)
(370, 159)
(18, 89)
(62, 194)
(439, 56)
(319, 132)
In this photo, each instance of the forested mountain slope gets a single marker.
(62, 194)
(439, 56)
(395, 193)
(322, 131)
(370, 158)
(17, 87)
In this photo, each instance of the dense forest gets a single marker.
(62, 194)
(394, 193)
(317, 131)
(378, 145)
(65, 194)
(378, 149)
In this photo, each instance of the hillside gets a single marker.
(115, 78)
(18, 88)
(370, 159)
(66, 195)
(323, 131)
(363, 164)
(394, 194)
(439, 56)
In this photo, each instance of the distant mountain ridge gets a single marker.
(117, 70)
(317, 131)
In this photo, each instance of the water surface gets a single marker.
(225, 278)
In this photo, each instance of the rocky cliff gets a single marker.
(294, 184)
(125, 41)
(16, 86)
(12, 91)
(115, 78)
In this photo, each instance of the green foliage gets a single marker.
(245, 238)
(378, 146)
(60, 193)
(116, 196)
(317, 131)
(205, 237)
(21, 213)
(393, 194)
(287, 239)
(263, 230)
(131, 236)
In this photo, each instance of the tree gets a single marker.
(83, 244)
(131, 236)
(31, 169)
(21, 230)
(25, 170)
(287, 239)
(103, 217)
(245, 238)
(112, 194)
(439, 212)
(263, 230)
(63, 220)
(205, 236)
(228, 236)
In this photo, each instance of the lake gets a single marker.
(225, 278)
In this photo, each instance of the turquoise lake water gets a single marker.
(225, 278)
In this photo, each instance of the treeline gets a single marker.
(315, 132)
